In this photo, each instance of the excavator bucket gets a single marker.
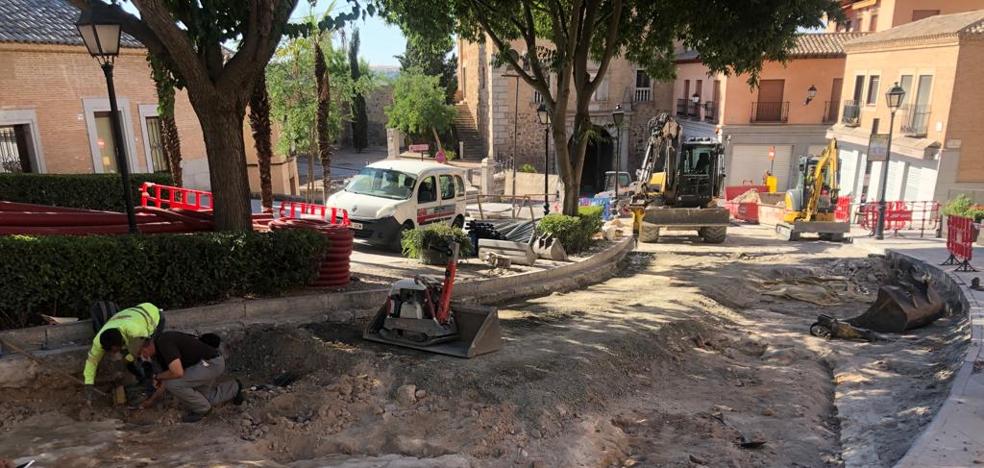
(901, 308)
(478, 332)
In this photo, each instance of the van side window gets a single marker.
(461, 185)
(428, 191)
(447, 187)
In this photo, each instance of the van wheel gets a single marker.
(459, 222)
(407, 226)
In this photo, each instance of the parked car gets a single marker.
(391, 196)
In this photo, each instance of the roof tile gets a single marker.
(44, 22)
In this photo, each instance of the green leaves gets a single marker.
(438, 236)
(573, 232)
(91, 191)
(419, 104)
(64, 275)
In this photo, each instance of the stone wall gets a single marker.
(376, 104)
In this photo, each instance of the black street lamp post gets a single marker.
(618, 116)
(543, 115)
(894, 99)
(102, 38)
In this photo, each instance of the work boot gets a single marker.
(192, 417)
(239, 398)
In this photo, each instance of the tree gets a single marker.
(360, 120)
(190, 38)
(165, 82)
(322, 115)
(259, 124)
(418, 106)
(577, 39)
(431, 55)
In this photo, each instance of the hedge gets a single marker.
(63, 276)
(92, 191)
(573, 232)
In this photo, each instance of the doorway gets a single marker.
(598, 159)
(769, 105)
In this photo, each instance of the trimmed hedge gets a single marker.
(63, 276)
(574, 232)
(91, 191)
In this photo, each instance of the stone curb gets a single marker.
(346, 307)
(955, 436)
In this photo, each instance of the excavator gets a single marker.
(810, 205)
(676, 186)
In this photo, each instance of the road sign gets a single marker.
(878, 147)
(419, 148)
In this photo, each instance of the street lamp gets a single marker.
(811, 93)
(543, 115)
(101, 37)
(893, 98)
(618, 116)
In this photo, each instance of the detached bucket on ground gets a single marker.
(900, 308)
(478, 332)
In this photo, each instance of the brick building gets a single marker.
(54, 110)
(488, 110)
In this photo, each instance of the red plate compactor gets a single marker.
(419, 314)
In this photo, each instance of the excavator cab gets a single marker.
(810, 206)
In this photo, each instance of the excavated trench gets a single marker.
(676, 361)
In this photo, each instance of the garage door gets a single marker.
(749, 163)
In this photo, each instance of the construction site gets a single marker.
(690, 355)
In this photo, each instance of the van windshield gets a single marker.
(385, 183)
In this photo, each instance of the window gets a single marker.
(873, 23)
(383, 183)
(905, 82)
(642, 79)
(14, 154)
(537, 97)
(643, 87)
(699, 87)
(461, 185)
(464, 81)
(104, 140)
(858, 88)
(686, 89)
(156, 145)
(428, 191)
(447, 187)
(923, 14)
(872, 90)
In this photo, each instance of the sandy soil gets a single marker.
(689, 351)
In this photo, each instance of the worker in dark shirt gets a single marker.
(191, 373)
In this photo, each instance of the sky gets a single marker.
(380, 42)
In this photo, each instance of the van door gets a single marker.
(428, 201)
(449, 197)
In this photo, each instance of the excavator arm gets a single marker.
(824, 173)
(663, 133)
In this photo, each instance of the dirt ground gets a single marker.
(688, 352)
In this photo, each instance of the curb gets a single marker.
(345, 307)
(954, 437)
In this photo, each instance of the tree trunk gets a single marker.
(324, 106)
(223, 132)
(259, 122)
(172, 147)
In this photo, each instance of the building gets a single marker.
(937, 147)
(54, 110)
(497, 110)
(880, 15)
(767, 127)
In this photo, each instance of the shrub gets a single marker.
(91, 191)
(964, 206)
(573, 232)
(438, 235)
(63, 275)
(451, 155)
(527, 168)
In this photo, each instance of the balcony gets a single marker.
(830, 111)
(770, 112)
(710, 111)
(643, 95)
(693, 110)
(915, 120)
(682, 106)
(852, 114)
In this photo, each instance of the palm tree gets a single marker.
(321, 119)
(259, 123)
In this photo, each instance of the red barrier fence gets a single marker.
(960, 236)
(159, 195)
(919, 216)
(290, 209)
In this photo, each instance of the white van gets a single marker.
(393, 195)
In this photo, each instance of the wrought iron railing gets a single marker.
(852, 114)
(770, 112)
(681, 107)
(830, 111)
(693, 110)
(915, 120)
(710, 111)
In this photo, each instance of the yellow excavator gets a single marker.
(676, 186)
(811, 204)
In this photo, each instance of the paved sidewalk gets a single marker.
(955, 438)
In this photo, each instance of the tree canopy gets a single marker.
(418, 105)
(432, 56)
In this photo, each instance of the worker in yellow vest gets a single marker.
(116, 337)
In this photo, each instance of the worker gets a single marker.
(116, 337)
(191, 371)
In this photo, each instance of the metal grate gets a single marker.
(13, 156)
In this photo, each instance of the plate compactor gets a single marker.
(419, 314)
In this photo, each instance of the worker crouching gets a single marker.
(191, 373)
(116, 335)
